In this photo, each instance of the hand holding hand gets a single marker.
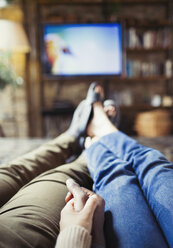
(84, 208)
(83, 217)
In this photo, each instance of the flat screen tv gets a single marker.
(82, 49)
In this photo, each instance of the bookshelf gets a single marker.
(149, 53)
(145, 42)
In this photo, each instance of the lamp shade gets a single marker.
(13, 37)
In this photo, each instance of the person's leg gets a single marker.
(129, 221)
(155, 175)
(19, 172)
(22, 170)
(31, 217)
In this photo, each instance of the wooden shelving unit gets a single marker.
(148, 50)
(143, 107)
(148, 79)
(142, 25)
(102, 1)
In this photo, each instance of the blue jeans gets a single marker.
(137, 185)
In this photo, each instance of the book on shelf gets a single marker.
(149, 39)
(136, 68)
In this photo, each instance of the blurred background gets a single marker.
(35, 102)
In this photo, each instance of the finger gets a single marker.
(71, 183)
(100, 200)
(88, 192)
(69, 205)
(90, 206)
(80, 197)
(68, 197)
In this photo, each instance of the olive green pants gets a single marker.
(32, 193)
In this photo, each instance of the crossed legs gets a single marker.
(125, 174)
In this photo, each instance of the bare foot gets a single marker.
(100, 125)
(89, 141)
(110, 111)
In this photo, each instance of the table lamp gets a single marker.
(13, 37)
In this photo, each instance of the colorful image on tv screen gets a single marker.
(82, 49)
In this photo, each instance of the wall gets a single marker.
(13, 101)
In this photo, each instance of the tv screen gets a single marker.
(82, 49)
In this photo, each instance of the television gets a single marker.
(82, 49)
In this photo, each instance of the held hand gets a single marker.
(84, 208)
(98, 220)
(80, 196)
(83, 217)
(77, 193)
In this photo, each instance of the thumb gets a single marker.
(90, 206)
(80, 197)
